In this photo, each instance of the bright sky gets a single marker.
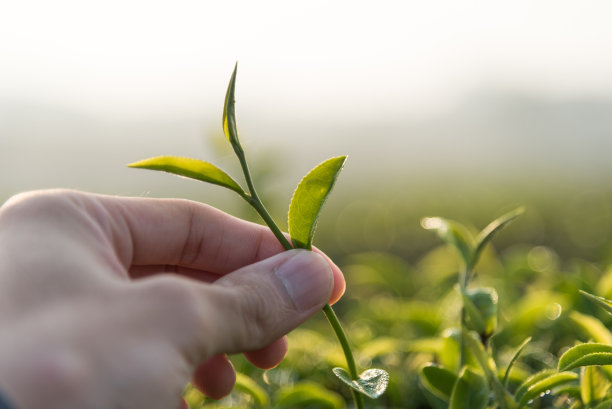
(171, 57)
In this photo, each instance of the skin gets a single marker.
(110, 302)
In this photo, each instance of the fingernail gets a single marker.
(308, 279)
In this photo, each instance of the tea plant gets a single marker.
(580, 379)
(476, 382)
(305, 207)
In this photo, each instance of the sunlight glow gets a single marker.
(126, 55)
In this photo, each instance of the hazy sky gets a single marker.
(88, 86)
(171, 57)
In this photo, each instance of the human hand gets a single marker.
(112, 302)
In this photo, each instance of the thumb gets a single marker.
(257, 304)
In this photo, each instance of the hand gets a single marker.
(112, 302)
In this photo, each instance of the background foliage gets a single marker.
(401, 307)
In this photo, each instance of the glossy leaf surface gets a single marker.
(308, 199)
(584, 355)
(372, 382)
(191, 168)
(229, 111)
(540, 383)
(470, 391)
(439, 381)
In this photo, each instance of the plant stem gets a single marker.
(346, 348)
(261, 210)
(341, 335)
(254, 200)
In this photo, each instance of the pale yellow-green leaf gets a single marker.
(190, 168)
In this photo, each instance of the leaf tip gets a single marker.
(140, 163)
(432, 223)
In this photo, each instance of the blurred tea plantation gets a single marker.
(402, 307)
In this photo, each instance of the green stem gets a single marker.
(254, 200)
(341, 335)
(261, 210)
(346, 348)
(256, 203)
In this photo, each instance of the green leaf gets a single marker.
(486, 362)
(540, 383)
(584, 355)
(249, 386)
(607, 404)
(601, 301)
(229, 112)
(470, 391)
(450, 349)
(474, 319)
(371, 382)
(191, 168)
(592, 327)
(308, 199)
(492, 228)
(308, 394)
(593, 384)
(514, 358)
(439, 381)
(453, 233)
(481, 307)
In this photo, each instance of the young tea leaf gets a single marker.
(229, 112)
(601, 301)
(371, 382)
(540, 383)
(453, 233)
(488, 232)
(486, 362)
(439, 381)
(308, 199)
(191, 168)
(514, 358)
(591, 327)
(481, 307)
(584, 355)
(474, 319)
(593, 384)
(470, 391)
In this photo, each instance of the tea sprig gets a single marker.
(305, 207)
